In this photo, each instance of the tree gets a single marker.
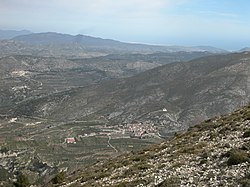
(59, 178)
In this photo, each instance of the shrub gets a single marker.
(4, 150)
(246, 146)
(246, 134)
(136, 168)
(193, 149)
(237, 157)
(59, 178)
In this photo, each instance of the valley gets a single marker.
(40, 147)
(188, 92)
(136, 93)
(68, 102)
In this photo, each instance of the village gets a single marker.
(134, 130)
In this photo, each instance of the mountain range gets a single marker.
(105, 44)
(24, 77)
(172, 96)
(67, 102)
(65, 45)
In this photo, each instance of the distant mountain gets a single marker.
(8, 34)
(58, 38)
(245, 49)
(106, 45)
(211, 49)
(173, 96)
(213, 153)
(12, 47)
(53, 44)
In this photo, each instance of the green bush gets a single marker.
(59, 178)
(237, 157)
(246, 146)
(246, 134)
(4, 150)
(136, 169)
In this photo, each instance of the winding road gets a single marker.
(111, 145)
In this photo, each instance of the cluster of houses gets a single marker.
(140, 130)
(134, 130)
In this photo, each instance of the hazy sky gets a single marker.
(219, 23)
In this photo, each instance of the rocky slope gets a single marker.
(213, 153)
(172, 96)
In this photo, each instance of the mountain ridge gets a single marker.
(25, 76)
(97, 42)
(188, 91)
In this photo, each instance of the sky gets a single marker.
(219, 23)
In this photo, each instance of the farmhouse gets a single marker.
(70, 140)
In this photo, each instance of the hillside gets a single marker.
(28, 143)
(25, 76)
(188, 93)
(213, 153)
(62, 114)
